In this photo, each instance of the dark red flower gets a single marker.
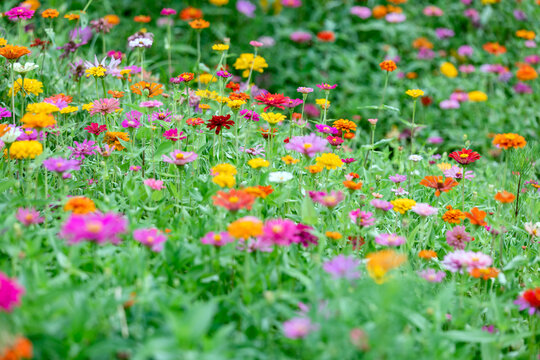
(426, 100)
(218, 122)
(272, 100)
(286, 141)
(42, 44)
(95, 128)
(465, 156)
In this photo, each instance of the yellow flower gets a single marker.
(223, 169)
(222, 99)
(245, 228)
(69, 109)
(477, 96)
(88, 107)
(314, 169)
(125, 72)
(289, 160)
(403, 205)
(38, 121)
(3, 42)
(246, 61)
(329, 161)
(206, 78)
(414, 93)
(323, 103)
(31, 86)
(220, 47)
(96, 71)
(380, 262)
(273, 118)
(235, 104)
(204, 106)
(42, 108)
(25, 149)
(449, 70)
(444, 166)
(224, 180)
(258, 163)
(219, 2)
(207, 94)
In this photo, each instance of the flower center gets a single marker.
(94, 227)
(307, 146)
(217, 238)
(234, 199)
(150, 239)
(179, 156)
(463, 156)
(330, 199)
(277, 229)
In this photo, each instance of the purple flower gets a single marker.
(61, 165)
(330, 200)
(131, 124)
(459, 96)
(458, 237)
(389, 239)
(151, 104)
(86, 148)
(81, 35)
(245, 7)
(520, 15)
(301, 37)
(180, 158)
(423, 209)
(399, 191)
(151, 238)
(342, 267)
(465, 50)
(217, 239)
(19, 13)
(308, 145)
(425, 54)
(435, 140)
(249, 115)
(432, 276)
(279, 232)
(532, 59)
(456, 172)
(258, 150)
(326, 129)
(11, 293)
(522, 88)
(397, 178)
(297, 328)
(294, 103)
(490, 329)
(97, 227)
(395, 17)
(28, 216)
(381, 204)
(361, 218)
(444, 33)
(361, 11)
(31, 134)
(449, 104)
(304, 90)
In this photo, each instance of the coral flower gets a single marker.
(20, 349)
(218, 122)
(485, 273)
(476, 217)
(439, 184)
(427, 254)
(465, 156)
(326, 36)
(272, 100)
(80, 205)
(504, 197)
(494, 48)
(234, 200)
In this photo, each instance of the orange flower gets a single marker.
(314, 169)
(526, 34)
(411, 75)
(509, 140)
(326, 36)
(485, 273)
(12, 52)
(21, 349)
(112, 19)
(427, 254)
(234, 200)
(380, 262)
(72, 16)
(80, 205)
(190, 13)
(504, 197)
(199, 24)
(388, 65)
(348, 135)
(154, 89)
(113, 138)
(239, 96)
(4, 128)
(379, 11)
(344, 125)
(437, 183)
(38, 121)
(50, 13)
(476, 217)
(422, 42)
(453, 216)
(116, 94)
(494, 48)
(333, 235)
(187, 77)
(351, 185)
(526, 73)
(259, 191)
(142, 19)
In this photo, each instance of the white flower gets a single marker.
(280, 176)
(26, 68)
(140, 42)
(415, 158)
(532, 229)
(11, 135)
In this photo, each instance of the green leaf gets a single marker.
(309, 214)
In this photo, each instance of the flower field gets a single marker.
(269, 179)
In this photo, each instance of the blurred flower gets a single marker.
(423, 209)
(154, 184)
(11, 294)
(217, 239)
(458, 237)
(297, 328)
(379, 263)
(280, 176)
(28, 216)
(342, 267)
(389, 239)
(151, 238)
(97, 227)
(432, 275)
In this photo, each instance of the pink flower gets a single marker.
(217, 239)
(168, 11)
(19, 13)
(297, 328)
(389, 239)
(432, 276)
(361, 218)
(151, 104)
(174, 135)
(325, 86)
(342, 267)
(423, 209)
(154, 184)
(460, 259)
(28, 216)
(373, 121)
(308, 145)
(279, 232)
(10, 293)
(97, 227)
(180, 158)
(458, 237)
(381, 204)
(151, 238)
(330, 200)
(104, 106)
(256, 43)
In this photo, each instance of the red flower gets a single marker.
(437, 183)
(233, 86)
(234, 200)
(532, 296)
(465, 156)
(218, 122)
(95, 128)
(272, 100)
(326, 36)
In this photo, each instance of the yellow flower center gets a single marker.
(463, 156)
(234, 199)
(307, 146)
(150, 239)
(94, 227)
(179, 156)
(330, 198)
(277, 228)
(217, 237)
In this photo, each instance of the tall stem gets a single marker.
(412, 127)
(325, 106)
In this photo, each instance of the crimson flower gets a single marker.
(465, 156)
(218, 122)
(272, 100)
(95, 128)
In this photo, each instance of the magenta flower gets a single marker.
(245, 7)
(97, 227)
(4, 112)
(154, 184)
(382, 205)
(19, 13)
(348, 160)
(151, 238)
(297, 328)
(28, 216)
(361, 218)
(10, 293)
(458, 237)
(180, 158)
(304, 90)
(224, 74)
(330, 200)
(432, 275)
(174, 135)
(217, 239)
(325, 86)
(326, 129)
(397, 178)
(60, 165)
(82, 150)
(279, 232)
(334, 140)
(423, 209)
(167, 11)
(134, 168)
(248, 115)
(342, 267)
(389, 239)
(106, 151)
(308, 145)
(104, 106)
(162, 115)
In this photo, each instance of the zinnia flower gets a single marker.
(10, 294)
(465, 156)
(342, 267)
(439, 184)
(96, 227)
(151, 238)
(218, 122)
(28, 216)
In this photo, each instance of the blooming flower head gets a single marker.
(11, 293)
(388, 65)
(248, 62)
(19, 13)
(439, 184)
(96, 227)
(509, 140)
(389, 239)
(304, 90)
(104, 106)
(504, 197)
(28, 216)
(246, 227)
(309, 145)
(234, 200)
(329, 161)
(432, 275)
(461, 260)
(476, 217)
(380, 262)
(80, 205)
(272, 100)
(96, 129)
(397, 178)
(465, 156)
(414, 93)
(218, 122)
(402, 205)
(381, 204)
(257, 163)
(423, 209)
(330, 200)
(273, 118)
(151, 238)
(61, 165)
(342, 266)
(458, 237)
(453, 216)
(217, 239)
(361, 218)
(174, 135)
(529, 300)
(280, 176)
(325, 86)
(180, 158)
(81, 150)
(456, 172)
(297, 328)
(154, 184)
(279, 232)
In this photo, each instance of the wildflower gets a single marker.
(147, 89)
(449, 70)
(272, 100)
(217, 239)
(388, 65)
(280, 176)
(504, 197)
(526, 73)
(96, 129)
(246, 227)
(402, 205)
(494, 48)
(258, 163)
(326, 36)
(415, 158)
(112, 138)
(28, 216)
(224, 180)
(218, 122)
(458, 237)
(150, 104)
(199, 24)
(414, 93)
(459, 260)
(485, 273)
(11, 52)
(247, 62)
(382, 205)
(333, 235)
(97, 227)
(389, 239)
(325, 86)
(323, 103)
(21, 348)
(308, 145)
(465, 156)
(25, 149)
(180, 158)
(224, 169)
(29, 86)
(11, 294)
(432, 275)
(151, 238)
(424, 209)
(234, 200)
(342, 267)
(427, 254)
(297, 328)
(533, 229)
(104, 106)
(329, 161)
(439, 184)
(220, 47)
(80, 205)
(289, 160)
(259, 191)
(453, 216)
(400, 191)
(476, 217)
(174, 135)
(477, 96)
(314, 169)
(9, 133)
(379, 263)
(361, 218)
(509, 140)
(96, 71)
(326, 129)
(345, 125)
(61, 165)
(530, 300)
(396, 179)
(456, 172)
